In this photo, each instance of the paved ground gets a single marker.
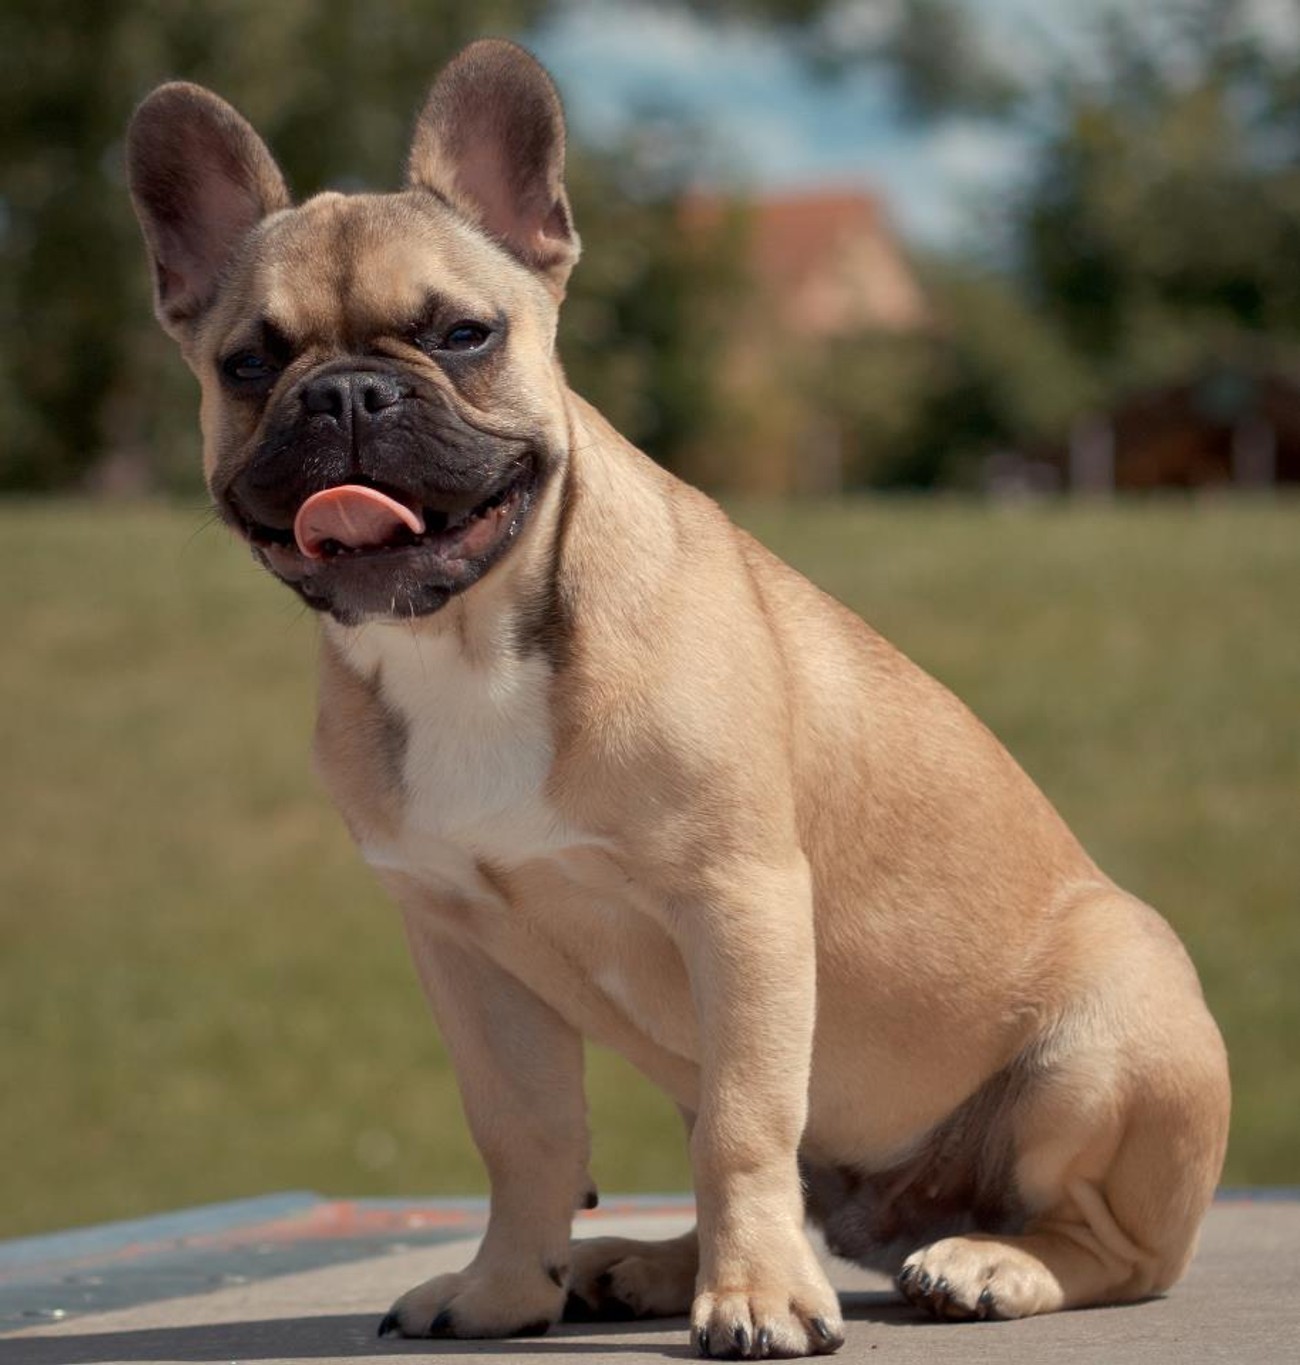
(296, 1279)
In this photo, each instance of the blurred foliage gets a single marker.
(649, 308)
(1167, 187)
(1153, 238)
(934, 51)
(89, 387)
(331, 84)
(941, 62)
(1154, 231)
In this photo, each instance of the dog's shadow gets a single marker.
(345, 1336)
(335, 1337)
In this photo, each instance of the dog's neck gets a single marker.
(607, 494)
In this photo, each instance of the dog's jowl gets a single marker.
(630, 778)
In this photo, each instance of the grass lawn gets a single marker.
(203, 996)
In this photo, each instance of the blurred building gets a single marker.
(823, 268)
(1223, 427)
(828, 265)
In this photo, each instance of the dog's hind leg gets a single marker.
(1118, 1146)
(617, 1278)
(620, 1278)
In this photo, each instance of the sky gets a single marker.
(774, 125)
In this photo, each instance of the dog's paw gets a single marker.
(617, 1279)
(777, 1320)
(978, 1277)
(473, 1303)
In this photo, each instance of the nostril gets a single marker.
(351, 393)
(330, 395)
(374, 392)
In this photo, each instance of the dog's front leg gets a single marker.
(519, 1068)
(751, 956)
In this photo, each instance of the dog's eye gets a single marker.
(465, 336)
(247, 367)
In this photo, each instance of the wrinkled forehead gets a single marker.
(343, 267)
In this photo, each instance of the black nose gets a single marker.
(355, 394)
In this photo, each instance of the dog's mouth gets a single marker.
(364, 519)
(355, 547)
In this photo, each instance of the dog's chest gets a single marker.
(475, 753)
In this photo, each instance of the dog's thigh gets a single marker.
(519, 1068)
(1118, 1149)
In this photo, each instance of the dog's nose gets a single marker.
(357, 394)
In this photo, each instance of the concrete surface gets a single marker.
(1239, 1303)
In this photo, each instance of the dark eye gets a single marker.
(465, 336)
(247, 367)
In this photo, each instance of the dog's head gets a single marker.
(381, 407)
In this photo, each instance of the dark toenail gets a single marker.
(441, 1323)
(764, 1340)
(941, 1285)
(577, 1309)
(823, 1331)
(740, 1338)
(984, 1304)
(905, 1275)
(389, 1325)
(702, 1340)
(924, 1282)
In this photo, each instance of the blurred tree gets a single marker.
(1156, 226)
(90, 390)
(935, 51)
(992, 375)
(650, 308)
(332, 84)
(1167, 187)
(1153, 239)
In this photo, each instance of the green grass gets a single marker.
(202, 994)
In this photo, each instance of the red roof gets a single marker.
(831, 256)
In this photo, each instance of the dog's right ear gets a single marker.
(200, 179)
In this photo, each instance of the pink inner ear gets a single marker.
(534, 225)
(194, 253)
(224, 214)
(483, 178)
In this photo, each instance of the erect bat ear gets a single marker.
(490, 141)
(200, 179)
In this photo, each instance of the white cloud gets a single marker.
(1277, 22)
(967, 152)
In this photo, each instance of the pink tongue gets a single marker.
(356, 517)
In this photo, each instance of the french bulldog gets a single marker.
(630, 778)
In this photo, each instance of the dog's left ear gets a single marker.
(490, 141)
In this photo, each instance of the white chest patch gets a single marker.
(478, 753)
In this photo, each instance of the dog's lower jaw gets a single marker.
(401, 582)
